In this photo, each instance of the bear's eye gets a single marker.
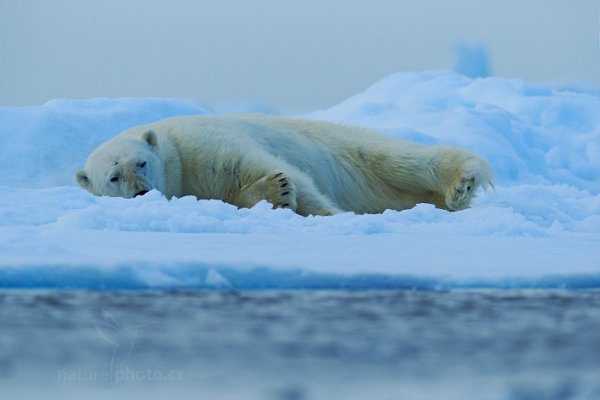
(114, 179)
(142, 164)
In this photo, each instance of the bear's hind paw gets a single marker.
(461, 193)
(462, 190)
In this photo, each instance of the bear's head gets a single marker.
(125, 166)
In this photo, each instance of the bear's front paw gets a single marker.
(280, 190)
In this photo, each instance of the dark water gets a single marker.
(301, 345)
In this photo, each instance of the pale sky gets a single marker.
(294, 55)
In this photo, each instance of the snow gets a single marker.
(472, 60)
(539, 227)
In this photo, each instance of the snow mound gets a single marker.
(529, 134)
(539, 227)
(43, 146)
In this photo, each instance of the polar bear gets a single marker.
(310, 167)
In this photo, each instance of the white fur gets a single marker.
(311, 167)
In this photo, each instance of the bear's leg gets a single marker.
(443, 176)
(311, 201)
(282, 191)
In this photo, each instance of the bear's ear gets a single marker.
(150, 137)
(83, 180)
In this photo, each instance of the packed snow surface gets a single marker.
(539, 226)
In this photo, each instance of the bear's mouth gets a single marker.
(140, 193)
